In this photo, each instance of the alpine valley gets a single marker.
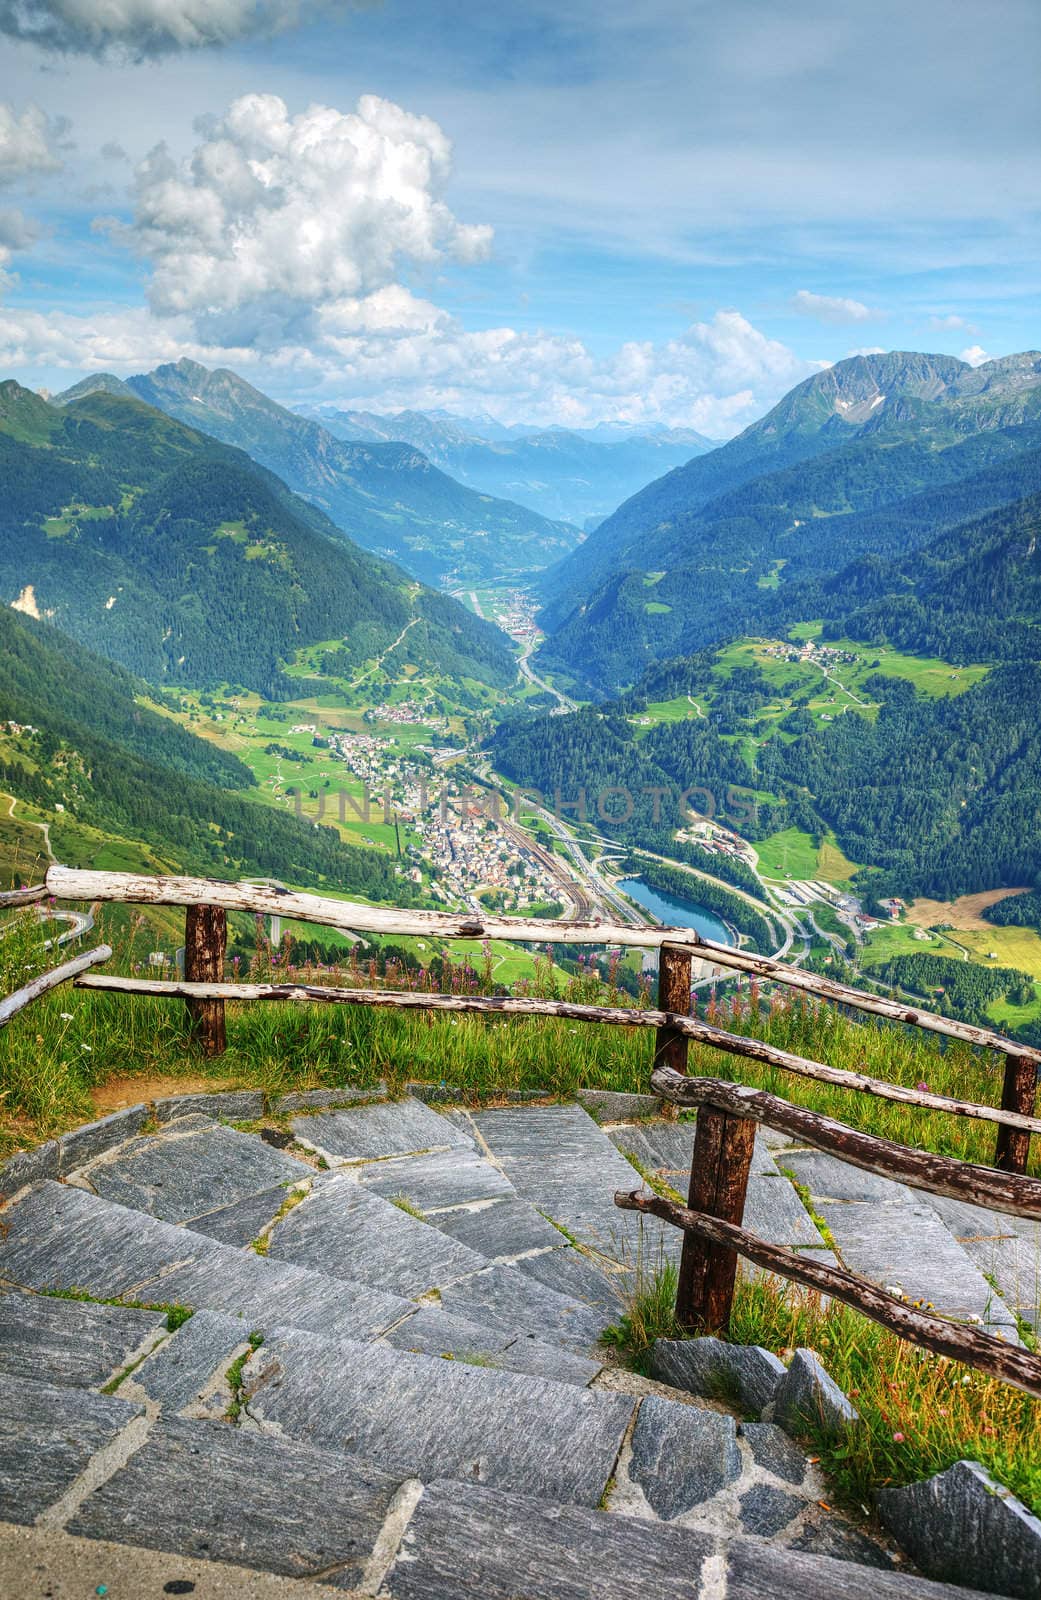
(790, 683)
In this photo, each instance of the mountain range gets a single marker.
(874, 458)
(574, 474)
(183, 560)
(385, 495)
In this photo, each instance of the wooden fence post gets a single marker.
(205, 943)
(674, 966)
(718, 1181)
(1019, 1092)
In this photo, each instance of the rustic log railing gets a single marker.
(728, 1113)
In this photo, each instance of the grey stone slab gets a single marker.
(237, 1105)
(94, 1138)
(70, 1342)
(500, 1231)
(433, 1332)
(964, 1526)
(744, 1374)
(469, 1543)
(181, 1174)
(540, 1360)
(765, 1510)
(511, 1302)
(204, 1489)
(444, 1181)
(667, 1148)
(756, 1570)
(608, 1105)
(773, 1451)
(369, 1133)
(825, 1535)
(349, 1232)
(182, 1366)
(242, 1221)
(261, 1293)
(30, 1166)
(429, 1418)
(808, 1396)
(570, 1273)
(829, 1179)
(59, 1237)
(63, 1238)
(48, 1434)
(322, 1099)
(908, 1248)
(681, 1455)
(774, 1211)
(559, 1159)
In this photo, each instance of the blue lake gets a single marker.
(675, 912)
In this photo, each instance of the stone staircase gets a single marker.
(391, 1382)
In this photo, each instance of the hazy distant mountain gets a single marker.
(387, 496)
(579, 475)
(877, 455)
(186, 562)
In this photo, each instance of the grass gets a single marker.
(791, 854)
(57, 1055)
(234, 1378)
(920, 1412)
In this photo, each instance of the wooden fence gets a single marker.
(727, 1113)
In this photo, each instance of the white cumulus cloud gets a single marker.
(831, 308)
(140, 28)
(975, 355)
(30, 142)
(275, 218)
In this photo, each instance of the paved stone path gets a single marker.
(390, 1381)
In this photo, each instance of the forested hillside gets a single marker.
(75, 742)
(186, 562)
(873, 459)
(386, 496)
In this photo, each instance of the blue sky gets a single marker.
(659, 211)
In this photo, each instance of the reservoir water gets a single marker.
(676, 912)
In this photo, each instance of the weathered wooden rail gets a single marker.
(727, 1113)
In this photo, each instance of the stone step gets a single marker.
(105, 1469)
(1005, 1249)
(48, 1436)
(374, 1132)
(226, 1494)
(773, 1209)
(74, 1343)
(192, 1168)
(194, 1488)
(345, 1230)
(468, 1542)
(559, 1160)
(510, 1301)
(426, 1418)
(57, 1237)
(896, 1237)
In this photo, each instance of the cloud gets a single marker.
(392, 350)
(17, 231)
(274, 218)
(975, 355)
(30, 143)
(951, 324)
(143, 28)
(830, 308)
